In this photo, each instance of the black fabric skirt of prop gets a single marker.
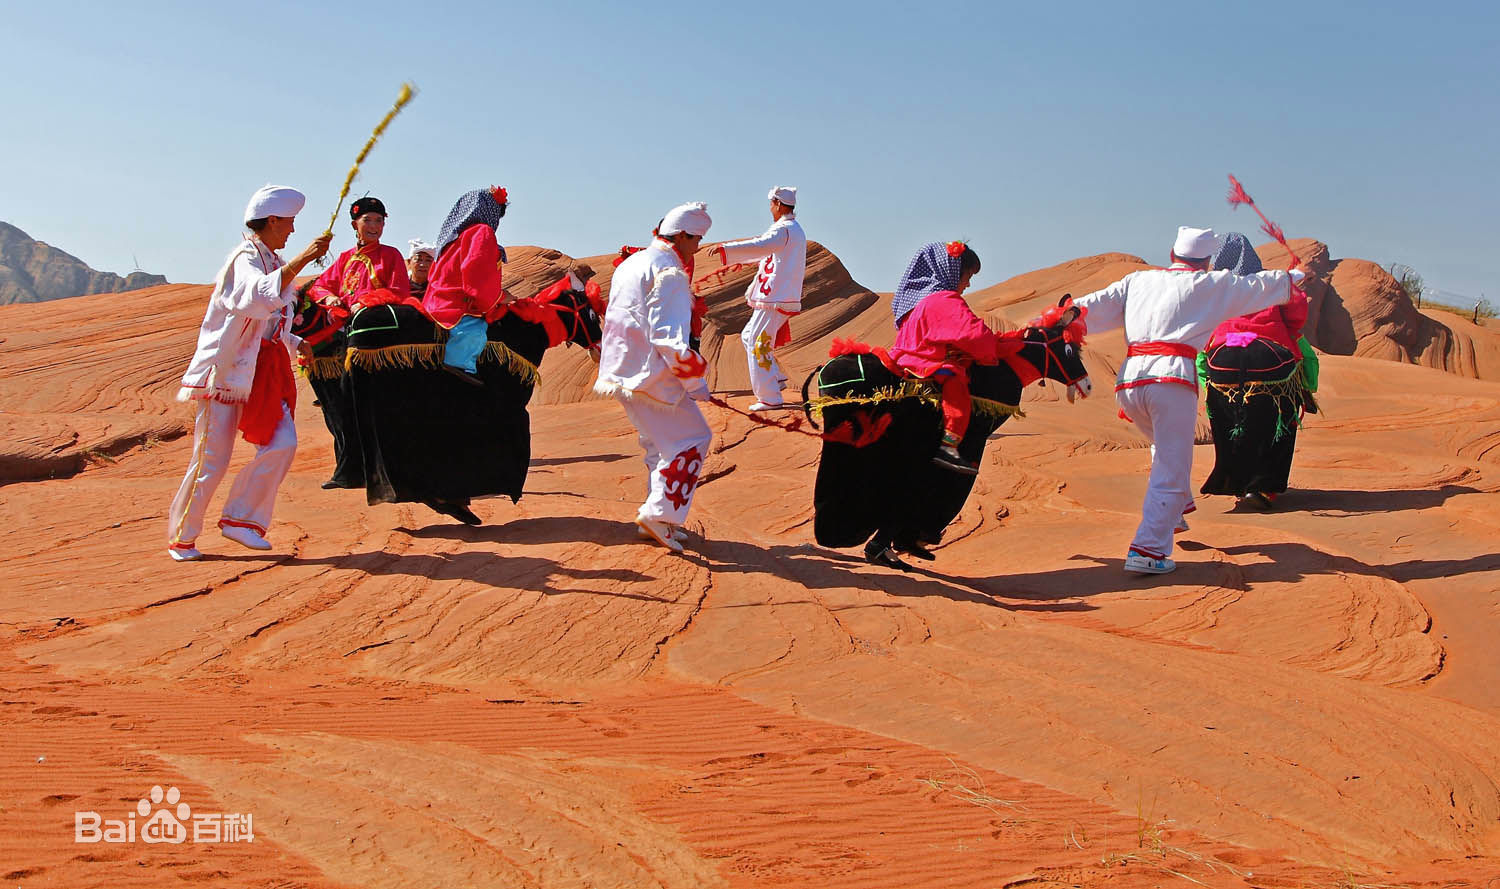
(424, 433)
(337, 403)
(1254, 399)
(891, 488)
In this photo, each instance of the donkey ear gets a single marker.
(1066, 298)
(1069, 315)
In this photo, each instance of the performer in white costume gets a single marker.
(1168, 315)
(240, 379)
(647, 363)
(775, 293)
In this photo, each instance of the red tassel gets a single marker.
(848, 346)
(1237, 193)
(595, 296)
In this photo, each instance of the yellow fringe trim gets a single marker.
(996, 410)
(431, 356)
(903, 390)
(1278, 389)
(328, 367)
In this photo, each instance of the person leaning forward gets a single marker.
(240, 379)
(647, 363)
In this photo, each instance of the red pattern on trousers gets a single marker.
(681, 477)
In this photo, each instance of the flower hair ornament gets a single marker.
(956, 248)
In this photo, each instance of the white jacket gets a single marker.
(782, 253)
(248, 304)
(646, 330)
(1177, 305)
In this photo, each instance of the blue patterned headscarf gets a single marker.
(474, 207)
(1237, 255)
(930, 271)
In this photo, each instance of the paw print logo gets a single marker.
(163, 826)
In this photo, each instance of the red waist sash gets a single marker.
(1181, 350)
(274, 386)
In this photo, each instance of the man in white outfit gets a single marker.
(775, 294)
(647, 363)
(239, 383)
(1168, 315)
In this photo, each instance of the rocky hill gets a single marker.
(33, 271)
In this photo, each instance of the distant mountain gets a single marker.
(32, 271)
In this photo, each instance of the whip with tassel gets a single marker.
(407, 92)
(1238, 195)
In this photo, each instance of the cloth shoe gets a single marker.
(1140, 563)
(886, 557)
(661, 532)
(949, 458)
(678, 533)
(246, 537)
(453, 511)
(1182, 525)
(184, 554)
(472, 379)
(759, 406)
(1260, 500)
(912, 548)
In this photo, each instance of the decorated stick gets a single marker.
(1238, 195)
(407, 92)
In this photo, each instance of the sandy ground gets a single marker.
(1310, 701)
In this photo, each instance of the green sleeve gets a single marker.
(1309, 364)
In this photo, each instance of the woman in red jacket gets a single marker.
(463, 287)
(1255, 397)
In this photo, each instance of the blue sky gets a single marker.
(1038, 134)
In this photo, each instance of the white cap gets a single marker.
(1195, 243)
(275, 200)
(787, 194)
(420, 246)
(689, 218)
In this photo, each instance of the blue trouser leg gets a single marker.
(465, 341)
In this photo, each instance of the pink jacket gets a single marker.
(1281, 324)
(942, 331)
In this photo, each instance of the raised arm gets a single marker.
(1106, 308)
(752, 249)
(1231, 295)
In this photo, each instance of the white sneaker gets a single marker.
(1140, 563)
(762, 406)
(661, 532)
(679, 534)
(184, 554)
(247, 537)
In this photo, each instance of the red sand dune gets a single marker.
(544, 701)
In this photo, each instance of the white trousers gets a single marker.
(253, 494)
(766, 377)
(676, 440)
(1166, 413)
